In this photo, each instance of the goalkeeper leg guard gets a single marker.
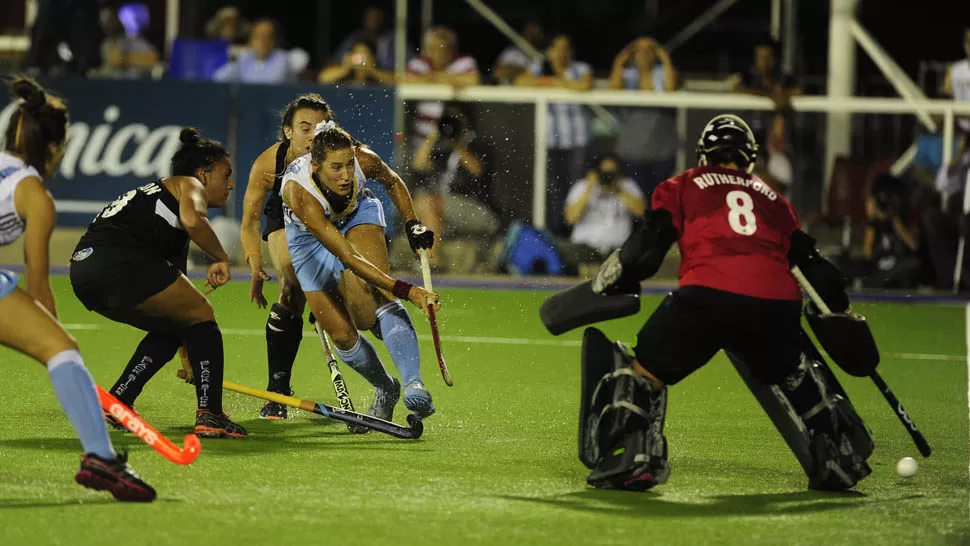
(621, 419)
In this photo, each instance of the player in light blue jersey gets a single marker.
(324, 202)
(34, 147)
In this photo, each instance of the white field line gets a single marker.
(968, 371)
(534, 342)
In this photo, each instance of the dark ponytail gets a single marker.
(41, 120)
(310, 101)
(196, 153)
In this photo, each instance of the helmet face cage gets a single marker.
(727, 132)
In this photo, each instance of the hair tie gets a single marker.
(323, 126)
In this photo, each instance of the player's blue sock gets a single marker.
(75, 391)
(363, 358)
(397, 331)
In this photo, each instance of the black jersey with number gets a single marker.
(145, 219)
(274, 203)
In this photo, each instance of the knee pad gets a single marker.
(621, 419)
(282, 319)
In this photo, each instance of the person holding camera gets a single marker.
(358, 67)
(601, 209)
(890, 244)
(643, 142)
(453, 193)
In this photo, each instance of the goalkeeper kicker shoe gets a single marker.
(210, 425)
(417, 399)
(114, 476)
(385, 400)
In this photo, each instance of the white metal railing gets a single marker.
(681, 101)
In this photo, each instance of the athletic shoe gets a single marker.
(385, 400)
(115, 476)
(273, 412)
(417, 399)
(114, 423)
(210, 425)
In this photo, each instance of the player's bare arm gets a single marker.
(193, 213)
(311, 213)
(375, 169)
(260, 184)
(36, 207)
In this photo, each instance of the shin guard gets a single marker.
(621, 419)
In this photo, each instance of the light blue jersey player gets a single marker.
(35, 140)
(324, 199)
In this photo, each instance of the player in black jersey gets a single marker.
(33, 148)
(370, 308)
(130, 267)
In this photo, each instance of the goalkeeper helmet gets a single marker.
(727, 139)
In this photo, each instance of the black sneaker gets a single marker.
(210, 425)
(115, 476)
(273, 411)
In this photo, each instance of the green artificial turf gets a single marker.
(497, 464)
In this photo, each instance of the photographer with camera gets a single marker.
(890, 245)
(453, 192)
(358, 67)
(601, 209)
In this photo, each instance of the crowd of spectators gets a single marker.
(594, 194)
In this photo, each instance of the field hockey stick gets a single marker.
(426, 272)
(339, 386)
(339, 414)
(921, 444)
(146, 433)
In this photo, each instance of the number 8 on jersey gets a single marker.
(741, 213)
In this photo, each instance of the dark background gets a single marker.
(910, 30)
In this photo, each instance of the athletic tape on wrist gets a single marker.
(401, 289)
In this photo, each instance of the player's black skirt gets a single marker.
(693, 323)
(273, 211)
(118, 277)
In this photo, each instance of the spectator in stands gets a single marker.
(890, 247)
(373, 32)
(262, 61)
(601, 210)
(645, 145)
(771, 129)
(124, 53)
(228, 25)
(72, 22)
(568, 127)
(439, 62)
(453, 193)
(952, 180)
(513, 61)
(358, 67)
